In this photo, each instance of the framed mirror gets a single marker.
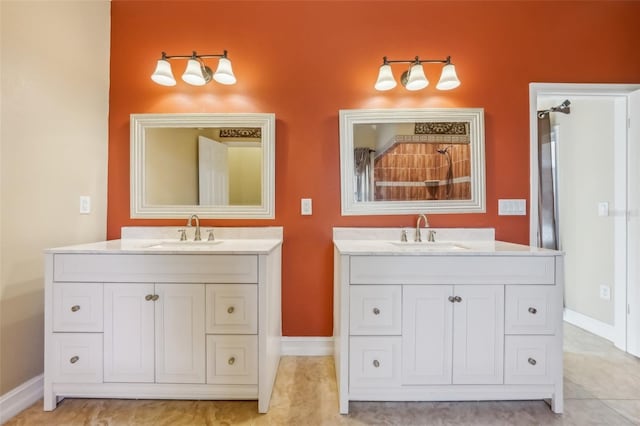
(409, 161)
(214, 165)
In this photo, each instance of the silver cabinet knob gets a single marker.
(451, 299)
(458, 299)
(376, 311)
(376, 363)
(75, 308)
(230, 309)
(148, 297)
(231, 361)
(155, 297)
(532, 361)
(74, 359)
(533, 310)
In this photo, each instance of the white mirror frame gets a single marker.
(474, 116)
(141, 122)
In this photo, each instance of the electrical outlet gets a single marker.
(605, 292)
(514, 207)
(85, 204)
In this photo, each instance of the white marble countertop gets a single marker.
(449, 242)
(163, 240)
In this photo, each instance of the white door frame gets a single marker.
(568, 89)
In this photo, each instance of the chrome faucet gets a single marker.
(197, 236)
(418, 237)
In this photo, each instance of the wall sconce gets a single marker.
(197, 72)
(414, 78)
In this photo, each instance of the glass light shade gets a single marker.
(448, 78)
(416, 79)
(385, 78)
(163, 74)
(224, 73)
(196, 74)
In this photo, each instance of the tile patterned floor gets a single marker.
(602, 387)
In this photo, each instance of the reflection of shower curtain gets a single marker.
(363, 176)
(546, 197)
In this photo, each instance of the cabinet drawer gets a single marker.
(77, 357)
(528, 359)
(158, 268)
(232, 360)
(375, 310)
(452, 270)
(232, 308)
(529, 310)
(77, 307)
(375, 361)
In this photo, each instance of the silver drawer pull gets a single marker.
(533, 310)
(155, 297)
(231, 361)
(376, 363)
(452, 299)
(376, 311)
(458, 299)
(74, 359)
(230, 309)
(532, 361)
(75, 308)
(148, 297)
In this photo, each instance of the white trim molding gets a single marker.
(307, 346)
(599, 328)
(21, 398)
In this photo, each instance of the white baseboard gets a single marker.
(21, 398)
(307, 346)
(599, 328)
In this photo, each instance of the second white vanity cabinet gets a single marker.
(478, 320)
(136, 319)
(452, 334)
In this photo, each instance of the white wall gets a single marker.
(54, 95)
(586, 178)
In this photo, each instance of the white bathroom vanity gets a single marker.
(149, 316)
(460, 318)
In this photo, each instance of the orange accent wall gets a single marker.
(305, 60)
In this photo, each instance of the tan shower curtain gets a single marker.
(547, 237)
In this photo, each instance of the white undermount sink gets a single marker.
(185, 244)
(429, 245)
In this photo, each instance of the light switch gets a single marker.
(85, 204)
(603, 209)
(305, 207)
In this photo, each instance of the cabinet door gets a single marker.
(478, 334)
(426, 334)
(180, 337)
(128, 333)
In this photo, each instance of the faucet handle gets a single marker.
(403, 236)
(432, 236)
(210, 237)
(183, 234)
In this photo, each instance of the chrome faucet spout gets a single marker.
(418, 237)
(197, 236)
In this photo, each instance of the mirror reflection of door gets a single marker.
(213, 172)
